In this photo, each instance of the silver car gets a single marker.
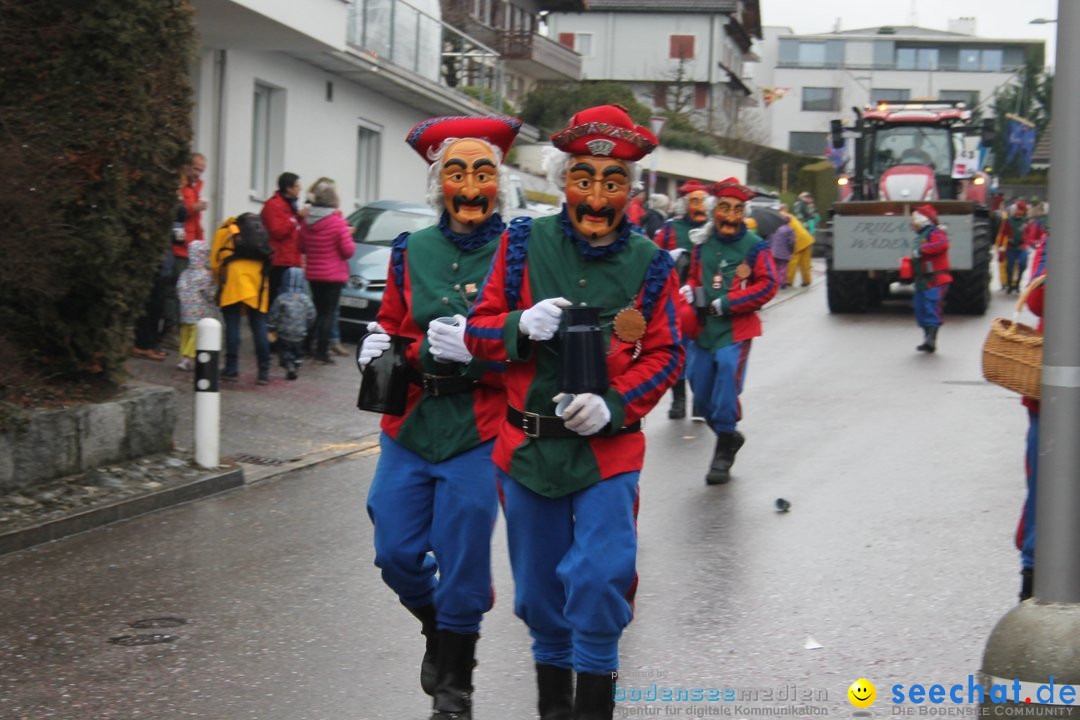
(374, 228)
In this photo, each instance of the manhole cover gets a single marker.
(259, 460)
(137, 640)
(158, 622)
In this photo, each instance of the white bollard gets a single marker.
(207, 396)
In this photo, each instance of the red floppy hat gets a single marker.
(499, 130)
(692, 186)
(928, 212)
(730, 187)
(605, 131)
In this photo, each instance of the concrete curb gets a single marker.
(125, 509)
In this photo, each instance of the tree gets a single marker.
(550, 107)
(1031, 97)
(95, 108)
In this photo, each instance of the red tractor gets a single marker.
(908, 154)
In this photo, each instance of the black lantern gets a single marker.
(385, 385)
(582, 358)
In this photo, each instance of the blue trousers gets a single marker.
(927, 304)
(1015, 259)
(1031, 466)
(257, 322)
(436, 518)
(716, 378)
(575, 573)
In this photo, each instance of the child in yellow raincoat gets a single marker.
(245, 288)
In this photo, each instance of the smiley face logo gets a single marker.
(862, 693)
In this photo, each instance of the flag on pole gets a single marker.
(772, 94)
(1020, 141)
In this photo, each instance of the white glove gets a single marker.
(376, 342)
(688, 294)
(542, 320)
(676, 253)
(718, 306)
(447, 342)
(586, 415)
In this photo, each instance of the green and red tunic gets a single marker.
(435, 272)
(544, 258)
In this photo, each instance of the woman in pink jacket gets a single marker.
(327, 245)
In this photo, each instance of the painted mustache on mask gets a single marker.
(479, 201)
(728, 224)
(609, 213)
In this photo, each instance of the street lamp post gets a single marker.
(1039, 639)
(656, 125)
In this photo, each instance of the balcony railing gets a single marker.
(939, 67)
(410, 38)
(549, 60)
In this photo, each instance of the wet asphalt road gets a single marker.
(904, 474)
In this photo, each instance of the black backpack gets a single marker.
(250, 239)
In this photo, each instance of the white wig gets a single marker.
(556, 163)
(920, 220)
(434, 186)
(682, 202)
(659, 201)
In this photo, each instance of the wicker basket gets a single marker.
(1012, 353)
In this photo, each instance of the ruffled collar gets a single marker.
(478, 238)
(583, 245)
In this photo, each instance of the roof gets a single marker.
(905, 30)
(1041, 154)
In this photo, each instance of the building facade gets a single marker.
(681, 55)
(329, 88)
(817, 78)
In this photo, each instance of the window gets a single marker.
(267, 139)
(991, 60)
(807, 143)
(681, 47)
(916, 58)
(812, 54)
(581, 42)
(969, 59)
(367, 164)
(968, 97)
(660, 91)
(701, 96)
(879, 95)
(821, 99)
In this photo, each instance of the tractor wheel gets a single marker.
(969, 292)
(847, 291)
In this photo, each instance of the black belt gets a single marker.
(535, 425)
(438, 385)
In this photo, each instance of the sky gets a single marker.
(996, 19)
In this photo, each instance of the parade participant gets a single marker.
(1025, 531)
(1010, 241)
(433, 499)
(691, 211)
(568, 466)
(930, 262)
(736, 275)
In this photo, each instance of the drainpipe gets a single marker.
(218, 160)
(709, 78)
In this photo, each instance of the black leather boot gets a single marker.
(727, 445)
(1027, 583)
(453, 688)
(595, 698)
(555, 690)
(929, 343)
(429, 665)
(678, 401)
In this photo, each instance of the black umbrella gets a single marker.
(767, 219)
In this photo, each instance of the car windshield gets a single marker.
(379, 226)
(912, 145)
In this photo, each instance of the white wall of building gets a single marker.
(636, 46)
(315, 137)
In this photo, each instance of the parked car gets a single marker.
(374, 228)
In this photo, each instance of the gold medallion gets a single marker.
(629, 325)
(742, 271)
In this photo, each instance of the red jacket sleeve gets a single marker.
(278, 219)
(636, 390)
(751, 294)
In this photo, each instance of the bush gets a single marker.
(95, 108)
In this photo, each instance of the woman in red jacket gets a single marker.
(327, 245)
(282, 219)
